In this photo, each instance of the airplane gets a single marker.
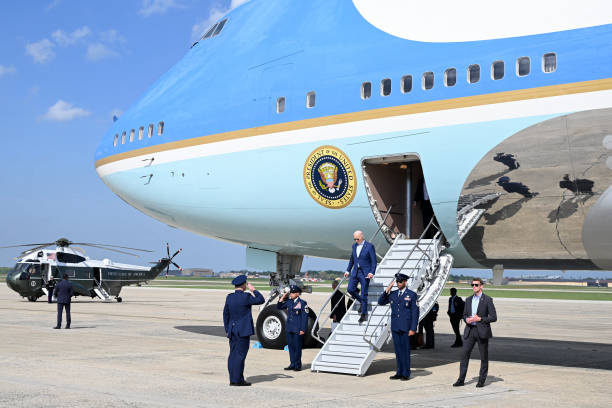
(89, 277)
(291, 124)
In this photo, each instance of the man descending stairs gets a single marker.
(352, 346)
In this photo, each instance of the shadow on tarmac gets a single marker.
(507, 349)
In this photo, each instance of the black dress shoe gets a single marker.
(288, 368)
(297, 369)
(457, 345)
(244, 384)
(459, 383)
(57, 327)
(67, 327)
(363, 318)
(405, 378)
(395, 377)
(480, 384)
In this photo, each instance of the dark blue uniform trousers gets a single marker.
(60, 306)
(294, 341)
(239, 347)
(401, 343)
(363, 295)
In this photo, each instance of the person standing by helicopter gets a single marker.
(63, 292)
(50, 288)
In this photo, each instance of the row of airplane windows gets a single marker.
(523, 68)
(160, 131)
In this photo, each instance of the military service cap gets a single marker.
(400, 277)
(295, 289)
(239, 280)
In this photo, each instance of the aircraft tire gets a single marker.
(33, 298)
(270, 327)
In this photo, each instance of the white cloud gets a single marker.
(112, 36)
(99, 51)
(41, 51)
(53, 4)
(63, 111)
(63, 39)
(150, 7)
(214, 15)
(7, 70)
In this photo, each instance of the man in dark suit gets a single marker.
(238, 323)
(338, 306)
(297, 325)
(455, 313)
(404, 320)
(50, 288)
(478, 314)
(361, 268)
(63, 292)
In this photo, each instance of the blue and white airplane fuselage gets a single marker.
(299, 122)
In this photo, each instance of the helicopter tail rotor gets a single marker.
(170, 261)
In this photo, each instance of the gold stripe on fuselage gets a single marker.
(446, 104)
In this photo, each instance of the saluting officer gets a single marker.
(404, 320)
(297, 325)
(238, 324)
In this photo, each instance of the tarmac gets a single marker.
(166, 347)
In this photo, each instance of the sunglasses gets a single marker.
(475, 284)
(356, 239)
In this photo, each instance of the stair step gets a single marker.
(340, 366)
(343, 354)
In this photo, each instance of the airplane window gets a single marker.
(160, 128)
(150, 131)
(219, 27)
(406, 83)
(473, 73)
(140, 132)
(310, 99)
(116, 140)
(280, 104)
(523, 66)
(450, 77)
(366, 90)
(209, 32)
(497, 70)
(549, 62)
(428, 80)
(131, 135)
(123, 138)
(385, 87)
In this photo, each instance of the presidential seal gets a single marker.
(329, 177)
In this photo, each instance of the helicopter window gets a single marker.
(116, 139)
(123, 138)
(54, 272)
(140, 132)
(69, 258)
(150, 131)
(160, 128)
(131, 135)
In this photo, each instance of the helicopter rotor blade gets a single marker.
(178, 267)
(28, 245)
(29, 251)
(168, 249)
(175, 254)
(110, 246)
(113, 250)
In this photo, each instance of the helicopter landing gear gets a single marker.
(119, 300)
(33, 298)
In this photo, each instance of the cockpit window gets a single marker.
(69, 258)
(220, 27)
(214, 30)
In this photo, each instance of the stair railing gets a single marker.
(316, 327)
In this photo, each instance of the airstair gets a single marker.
(101, 293)
(351, 347)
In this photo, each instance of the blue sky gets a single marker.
(66, 67)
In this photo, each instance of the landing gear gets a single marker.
(33, 298)
(119, 300)
(271, 324)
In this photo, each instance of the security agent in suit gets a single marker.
(297, 325)
(455, 313)
(361, 268)
(238, 323)
(50, 288)
(404, 320)
(63, 292)
(478, 314)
